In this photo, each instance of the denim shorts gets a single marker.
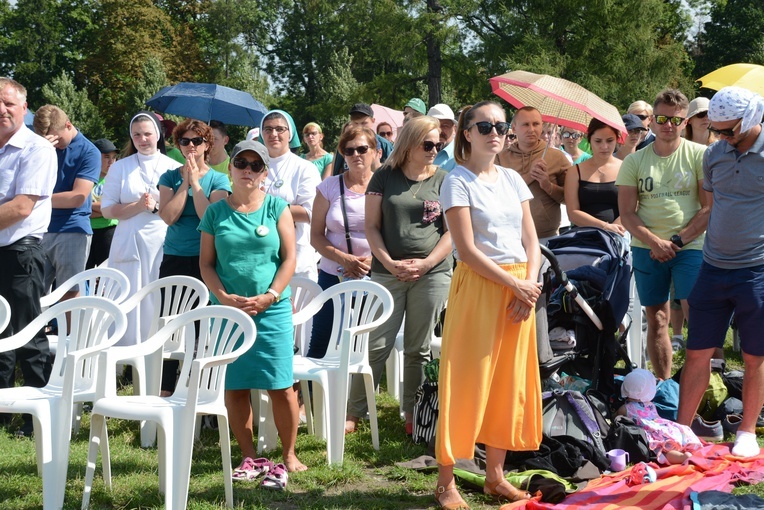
(717, 295)
(654, 278)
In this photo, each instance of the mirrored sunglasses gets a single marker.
(662, 119)
(574, 136)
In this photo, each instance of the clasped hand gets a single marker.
(410, 270)
(250, 305)
(526, 295)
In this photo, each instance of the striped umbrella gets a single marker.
(560, 101)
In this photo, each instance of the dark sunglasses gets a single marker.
(662, 119)
(701, 115)
(484, 127)
(729, 133)
(574, 136)
(385, 133)
(429, 146)
(642, 117)
(361, 149)
(512, 137)
(242, 164)
(197, 141)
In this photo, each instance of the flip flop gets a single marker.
(276, 478)
(252, 469)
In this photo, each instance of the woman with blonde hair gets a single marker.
(411, 250)
(644, 111)
(313, 136)
(489, 390)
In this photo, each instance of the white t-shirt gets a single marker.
(496, 212)
(298, 179)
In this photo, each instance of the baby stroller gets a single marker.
(585, 296)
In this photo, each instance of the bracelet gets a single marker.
(275, 294)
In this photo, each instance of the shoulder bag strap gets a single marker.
(345, 214)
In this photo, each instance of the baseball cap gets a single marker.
(417, 104)
(639, 384)
(698, 105)
(254, 146)
(632, 122)
(362, 108)
(442, 112)
(105, 145)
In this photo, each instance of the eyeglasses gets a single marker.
(484, 128)
(429, 146)
(242, 164)
(350, 151)
(701, 115)
(642, 117)
(197, 141)
(635, 131)
(385, 133)
(309, 133)
(278, 129)
(729, 133)
(574, 136)
(662, 119)
(512, 137)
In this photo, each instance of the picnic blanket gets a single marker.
(710, 468)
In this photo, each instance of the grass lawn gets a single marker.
(368, 479)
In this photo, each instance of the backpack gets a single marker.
(425, 412)
(625, 434)
(569, 413)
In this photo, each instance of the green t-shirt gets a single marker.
(667, 187)
(404, 230)
(95, 195)
(222, 167)
(175, 154)
(246, 261)
(183, 238)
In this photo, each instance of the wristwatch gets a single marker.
(677, 240)
(275, 294)
(156, 209)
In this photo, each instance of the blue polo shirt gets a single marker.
(80, 160)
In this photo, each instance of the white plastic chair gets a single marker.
(95, 325)
(304, 290)
(359, 307)
(224, 334)
(99, 281)
(172, 296)
(5, 314)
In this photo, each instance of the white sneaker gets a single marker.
(745, 445)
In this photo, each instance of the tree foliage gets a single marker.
(81, 110)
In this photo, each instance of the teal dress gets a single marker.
(247, 247)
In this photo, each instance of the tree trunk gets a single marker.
(434, 56)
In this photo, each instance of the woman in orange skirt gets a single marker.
(489, 388)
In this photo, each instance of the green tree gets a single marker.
(150, 81)
(735, 33)
(81, 110)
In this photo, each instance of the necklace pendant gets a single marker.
(262, 231)
(279, 183)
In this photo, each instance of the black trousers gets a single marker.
(21, 284)
(176, 265)
(100, 244)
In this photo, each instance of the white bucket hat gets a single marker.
(639, 384)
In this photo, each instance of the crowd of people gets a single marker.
(447, 208)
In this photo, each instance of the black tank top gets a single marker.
(599, 199)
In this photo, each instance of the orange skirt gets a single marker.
(488, 389)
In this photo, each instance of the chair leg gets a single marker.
(225, 453)
(96, 430)
(178, 478)
(76, 418)
(306, 398)
(371, 402)
(320, 413)
(336, 409)
(391, 369)
(267, 435)
(153, 373)
(164, 445)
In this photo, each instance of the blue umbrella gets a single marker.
(207, 101)
(29, 119)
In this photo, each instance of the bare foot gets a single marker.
(351, 424)
(677, 457)
(293, 464)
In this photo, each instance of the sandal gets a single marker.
(458, 505)
(510, 495)
(252, 469)
(276, 478)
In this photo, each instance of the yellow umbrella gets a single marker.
(747, 76)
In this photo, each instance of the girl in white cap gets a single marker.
(670, 441)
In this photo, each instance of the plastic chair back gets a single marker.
(5, 314)
(100, 282)
(303, 292)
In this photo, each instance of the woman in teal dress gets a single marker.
(248, 255)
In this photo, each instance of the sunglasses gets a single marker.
(242, 164)
(729, 133)
(574, 136)
(278, 129)
(350, 151)
(484, 127)
(662, 119)
(642, 117)
(512, 137)
(429, 146)
(385, 133)
(701, 115)
(197, 141)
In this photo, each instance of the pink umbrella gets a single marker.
(385, 114)
(559, 101)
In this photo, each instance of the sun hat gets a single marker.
(639, 384)
(698, 105)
